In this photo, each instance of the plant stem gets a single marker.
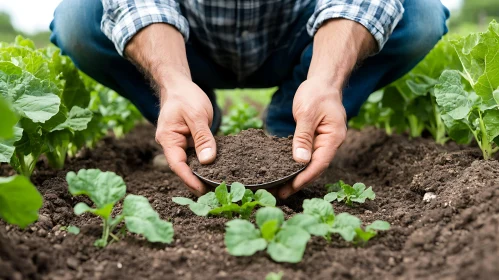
(414, 126)
(485, 146)
(388, 128)
(106, 230)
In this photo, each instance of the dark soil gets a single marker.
(251, 157)
(453, 236)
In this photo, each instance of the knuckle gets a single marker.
(202, 137)
(304, 138)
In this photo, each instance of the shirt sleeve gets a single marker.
(122, 19)
(379, 16)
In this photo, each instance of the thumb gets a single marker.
(303, 140)
(206, 148)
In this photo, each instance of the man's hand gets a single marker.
(186, 112)
(317, 108)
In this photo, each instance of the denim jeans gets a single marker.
(76, 30)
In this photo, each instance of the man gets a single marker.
(308, 48)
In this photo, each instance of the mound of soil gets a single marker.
(453, 235)
(251, 157)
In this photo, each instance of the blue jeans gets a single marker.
(76, 30)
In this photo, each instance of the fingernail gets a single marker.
(302, 154)
(205, 155)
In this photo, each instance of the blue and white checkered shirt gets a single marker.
(239, 34)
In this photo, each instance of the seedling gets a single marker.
(240, 117)
(105, 189)
(344, 192)
(318, 219)
(284, 242)
(222, 202)
(71, 229)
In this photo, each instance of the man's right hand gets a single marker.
(186, 112)
(186, 115)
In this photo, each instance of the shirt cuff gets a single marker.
(380, 19)
(122, 20)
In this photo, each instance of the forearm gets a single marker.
(159, 50)
(339, 45)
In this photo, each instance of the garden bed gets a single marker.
(452, 236)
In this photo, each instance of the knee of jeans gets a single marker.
(74, 28)
(426, 25)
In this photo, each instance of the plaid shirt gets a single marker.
(240, 35)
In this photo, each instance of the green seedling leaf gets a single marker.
(264, 198)
(320, 209)
(237, 191)
(269, 229)
(222, 194)
(378, 225)
(247, 197)
(268, 214)
(289, 244)
(243, 239)
(7, 146)
(358, 193)
(19, 201)
(309, 223)
(371, 230)
(201, 208)
(141, 218)
(103, 188)
(345, 225)
(71, 229)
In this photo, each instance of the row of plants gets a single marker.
(49, 108)
(452, 94)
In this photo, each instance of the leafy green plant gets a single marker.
(470, 108)
(19, 201)
(319, 219)
(344, 192)
(105, 189)
(240, 117)
(46, 92)
(284, 242)
(223, 202)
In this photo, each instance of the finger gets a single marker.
(326, 146)
(204, 142)
(174, 145)
(176, 158)
(303, 139)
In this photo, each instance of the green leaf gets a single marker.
(451, 97)
(289, 245)
(365, 194)
(319, 208)
(242, 238)
(77, 120)
(274, 276)
(265, 198)
(230, 208)
(30, 97)
(141, 218)
(19, 201)
(247, 197)
(267, 214)
(309, 223)
(330, 197)
(200, 209)
(103, 188)
(364, 235)
(345, 225)
(71, 229)
(237, 191)
(209, 199)
(222, 194)
(269, 229)
(7, 147)
(378, 225)
(491, 121)
(9, 120)
(183, 200)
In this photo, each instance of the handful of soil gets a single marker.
(251, 157)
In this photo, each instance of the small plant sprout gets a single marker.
(344, 192)
(319, 219)
(224, 203)
(363, 236)
(284, 242)
(71, 229)
(105, 189)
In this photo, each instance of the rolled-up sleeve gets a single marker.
(380, 17)
(122, 19)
